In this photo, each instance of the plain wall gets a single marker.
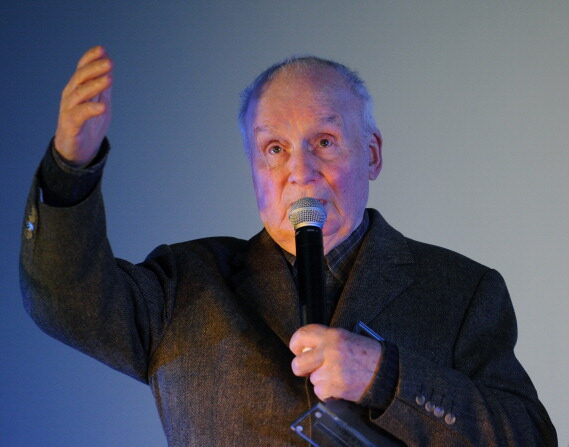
(472, 100)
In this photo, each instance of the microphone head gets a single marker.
(307, 212)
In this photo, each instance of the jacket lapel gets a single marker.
(382, 270)
(265, 285)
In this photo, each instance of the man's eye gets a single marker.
(324, 142)
(275, 149)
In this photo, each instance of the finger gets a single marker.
(105, 96)
(309, 336)
(91, 71)
(306, 363)
(88, 91)
(327, 384)
(90, 55)
(324, 391)
(320, 376)
(72, 122)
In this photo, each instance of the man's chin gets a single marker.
(331, 229)
(331, 241)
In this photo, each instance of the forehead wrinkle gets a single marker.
(262, 128)
(333, 119)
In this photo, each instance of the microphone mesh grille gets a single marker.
(307, 211)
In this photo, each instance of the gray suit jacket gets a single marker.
(207, 323)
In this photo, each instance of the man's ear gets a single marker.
(375, 159)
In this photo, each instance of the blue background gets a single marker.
(471, 97)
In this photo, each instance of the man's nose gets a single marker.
(302, 166)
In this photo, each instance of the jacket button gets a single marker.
(438, 412)
(429, 406)
(30, 225)
(29, 231)
(450, 418)
(420, 400)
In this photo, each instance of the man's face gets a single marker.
(307, 140)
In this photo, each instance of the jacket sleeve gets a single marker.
(486, 398)
(76, 291)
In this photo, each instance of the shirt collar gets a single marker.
(340, 259)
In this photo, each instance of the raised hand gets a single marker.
(85, 109)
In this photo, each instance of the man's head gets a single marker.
(308, 130)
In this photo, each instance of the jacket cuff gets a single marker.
(382, 389)
(63, 184)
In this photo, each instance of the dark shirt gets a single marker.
(338, 264)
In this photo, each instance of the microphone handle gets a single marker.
(310, 269)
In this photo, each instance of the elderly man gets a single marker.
(213, 324)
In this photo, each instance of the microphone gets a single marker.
(334, 423)
(307, 216)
